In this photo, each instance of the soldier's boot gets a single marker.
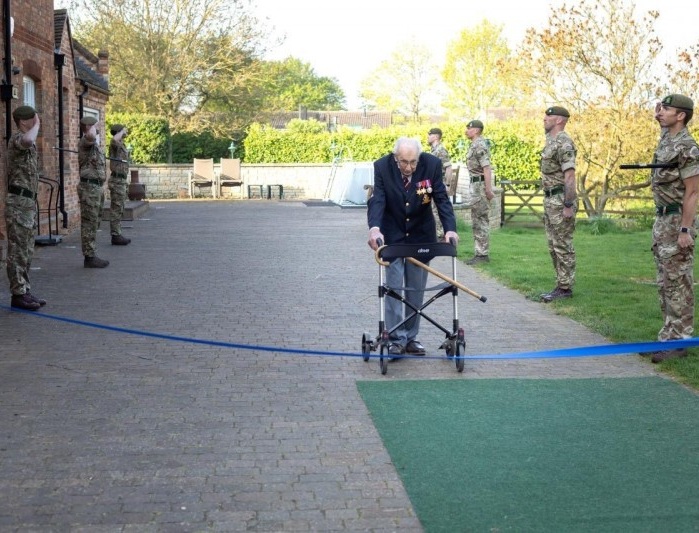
(24, 301)
(557, 294)
(120, 240)
(659, 357)
(38, 300)
(478, 259)
(95, 262)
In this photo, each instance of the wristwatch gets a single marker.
(684, 230)
(567, 204)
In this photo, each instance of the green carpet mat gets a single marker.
(543, 455)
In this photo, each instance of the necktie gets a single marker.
(406, 182)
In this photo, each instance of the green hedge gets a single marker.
(515, 145)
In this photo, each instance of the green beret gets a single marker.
(679, 101)
(558, 111)
(475, 124)
(116, 128)
(435, 131)
(24, 112)
(88, 121)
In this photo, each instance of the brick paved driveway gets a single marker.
(104, 430)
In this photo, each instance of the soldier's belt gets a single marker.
(558, 189)
(90, 180)
(672, 209)
(477, 179)
(21, 191)
(118, 175)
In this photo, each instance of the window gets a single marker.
(90, 112)
(29, 91)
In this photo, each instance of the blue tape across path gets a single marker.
(631, 348)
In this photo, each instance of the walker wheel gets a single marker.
(449, 347)
(459, 359)
(383, 361)
(366, 346)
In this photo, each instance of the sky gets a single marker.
(346, 40)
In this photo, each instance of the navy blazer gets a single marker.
(406, 216)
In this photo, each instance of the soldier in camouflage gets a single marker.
(479, 170)
(675, 192)
(434, 139)
(560, 206)
(20, 208)
(90, 191)
(119, 166)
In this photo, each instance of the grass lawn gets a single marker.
(615, 291)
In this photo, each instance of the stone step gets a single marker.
(133, 209)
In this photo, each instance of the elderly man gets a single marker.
(406, 184)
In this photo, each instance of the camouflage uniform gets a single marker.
(90, 194)
(675, 265)
(478, 157)
(117, 184)
(20, 212)
(558, 156)
(440, 152)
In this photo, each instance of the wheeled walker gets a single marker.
(418, 254)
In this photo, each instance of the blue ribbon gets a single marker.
(631, 348)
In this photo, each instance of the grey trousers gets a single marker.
(401, 273)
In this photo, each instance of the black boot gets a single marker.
(24, 301)
(120, 240)
(95, 262)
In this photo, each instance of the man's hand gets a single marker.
(374, 235)
(568, 212)
(449, 235)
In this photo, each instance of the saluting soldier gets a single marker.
(675, 191)
(479, 170)
(119, 166)
(20, 207)
(90, 191)
(560, 205)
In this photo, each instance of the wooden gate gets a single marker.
(523, 200)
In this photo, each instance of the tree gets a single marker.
(173, 57)
(478, 72)
(291, 84)
(404, 83)
(684, 75)
(597, 58)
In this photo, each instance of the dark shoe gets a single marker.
(95, 262)
(659, 357)
(395, 350)
(415, 348)
(38, 300)
(24, 301)
(557, 294)
(478, 259)
(120, 240)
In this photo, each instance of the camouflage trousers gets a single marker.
(117, 199)
(559, 233)
(20, 218)
(480, 220)
(91, 198)
(675, 279)
(437, 222)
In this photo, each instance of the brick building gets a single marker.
(43, 66)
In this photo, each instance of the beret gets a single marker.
(24, 112)
(475, 124)
(116, 128)
(558, 111)
(679, 101)
(435, 130)
(88, 121)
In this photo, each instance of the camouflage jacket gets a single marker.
(23, 164)
(477, 157)
(680, 151)
(92, 161)
(441, 152)
(557, 156)
(117, 150)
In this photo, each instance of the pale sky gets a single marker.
(346, 40)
